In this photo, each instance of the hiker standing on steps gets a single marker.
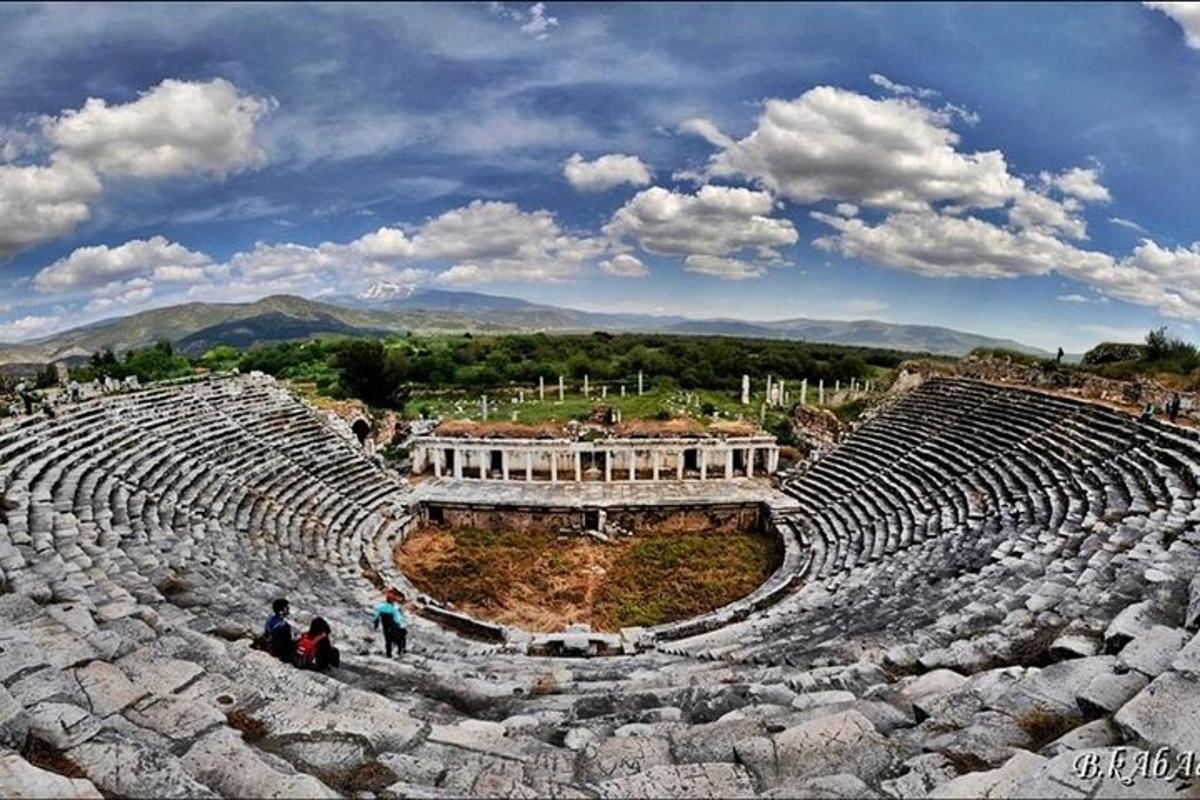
(1173, 406)
(395, 626)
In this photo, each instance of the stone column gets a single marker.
(438, 456)
(553, 466)
(504, 464)
(804, 392)
(745, 390)
(837, 386)
(728, 463)
(586, 390)
(541, 387)
(458, 459)
(560, 388)
(529, 465)
(484, 404)
(483, 465)
(632, 465)
(821, 392)
(656, 463)
(521, 396)
(622, 390)
(641, 387)
(608, 459)
(782, 391)
(679, 466)
(578, 466)
(703, 464)
(749, 462)
(604, 392)
(773, 460)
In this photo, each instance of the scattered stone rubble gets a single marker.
(992, 590)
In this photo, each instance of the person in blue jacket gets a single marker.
(395, 627)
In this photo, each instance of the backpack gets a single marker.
(306, 651)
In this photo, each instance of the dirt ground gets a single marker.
(543, 582)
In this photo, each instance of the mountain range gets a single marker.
(389, 308)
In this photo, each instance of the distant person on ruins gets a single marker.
(1059, 357)
(1173, 406)
(26, 396)
(395, 626)
(315, 650)
(278, 632)
(73, 389)
(1147, 412)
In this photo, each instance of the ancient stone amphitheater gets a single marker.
(995, 595)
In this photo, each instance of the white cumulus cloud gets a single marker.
(175, 128)
(40, 203)
(1187, 14)
(605, 172)
(716, 221)
(28, 327)
(101, 265)
(1081, 182)
(624, 265)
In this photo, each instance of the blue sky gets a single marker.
(1020, 170)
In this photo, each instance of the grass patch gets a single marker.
(542, 582)
(252, 730)
(370, 777)
(44, 755)
(1044, 726)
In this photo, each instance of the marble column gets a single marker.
(608, 459)
(656, 464)
(560, 388)
(679, 466)
(554, 466)
(703, 464)
(728, 463)
(749, 462)
(541, 387)
(483, 465)
(578, 466)
(457, 462)
(438, 455)
(529, 465)
(504, 464)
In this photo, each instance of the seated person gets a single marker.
(315, 650)
(278, 633)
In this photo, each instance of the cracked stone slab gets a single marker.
(622, 756)
(994, 783)
(1165, 713)
(19, 778)
(126, 767)
(1152, 652)
(107, 688)
(225, 762)
(684, 781)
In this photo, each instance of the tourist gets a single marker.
(73, 389)
(26, 396)
(315, 650)
(278, 632)
(1173, 406)
(1147, 413)
(395, 626)
(1059, 356)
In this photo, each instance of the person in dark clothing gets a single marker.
(1147, 413)
(1059, 356)
(395, 626)
(278, 632)
(315, 650)
(1173, 406)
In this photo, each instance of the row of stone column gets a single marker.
(630, 469)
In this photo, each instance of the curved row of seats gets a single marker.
(969, 494)
(142, 537)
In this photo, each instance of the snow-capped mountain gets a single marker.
(381, 291)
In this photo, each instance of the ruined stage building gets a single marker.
(601, 459)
